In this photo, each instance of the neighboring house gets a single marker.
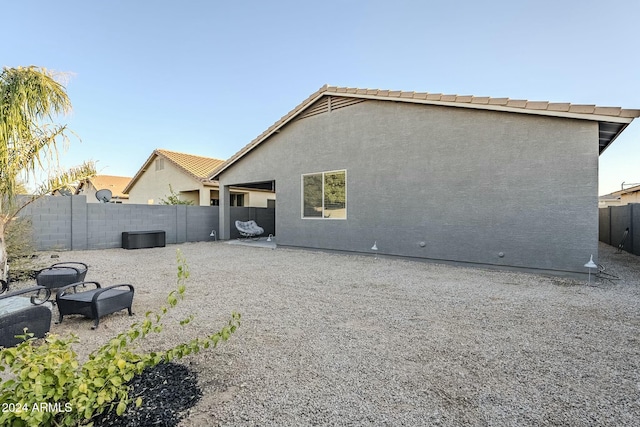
(186, 175)
(480, 180)
(620, 198)
(115, 184)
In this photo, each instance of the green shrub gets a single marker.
(51, 388)
(23, 263)
(174, 199)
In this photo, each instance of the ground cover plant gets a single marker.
(50, 387)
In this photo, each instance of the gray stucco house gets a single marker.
(481, 180)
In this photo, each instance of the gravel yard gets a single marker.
(335, 339)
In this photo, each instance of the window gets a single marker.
(215, 202)
(159, 164)
(324, 195)
(237, 200)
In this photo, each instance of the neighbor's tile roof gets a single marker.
(618, 116)
(198, 167)
(619, 193)
(116, 184)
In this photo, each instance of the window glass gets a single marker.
(324, 195)
(335, 195)
(236, 200)
(312, 189)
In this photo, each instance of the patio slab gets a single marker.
(262, 242)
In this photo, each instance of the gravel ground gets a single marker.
(335, 339)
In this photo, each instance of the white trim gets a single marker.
(493, 107)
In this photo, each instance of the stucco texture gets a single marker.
(442, 183)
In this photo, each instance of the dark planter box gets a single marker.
(143, 239)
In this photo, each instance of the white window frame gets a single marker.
(322, 216)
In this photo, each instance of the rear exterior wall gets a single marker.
(441, 183)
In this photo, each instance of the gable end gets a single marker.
(326, 104)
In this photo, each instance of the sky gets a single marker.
(207, 77)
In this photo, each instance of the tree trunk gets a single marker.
(4, 264)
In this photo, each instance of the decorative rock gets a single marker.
(167, 390)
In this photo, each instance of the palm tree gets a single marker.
(30, 99)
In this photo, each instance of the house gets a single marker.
(186, 175)
(621, 197)
(115, 184)
(431, 176)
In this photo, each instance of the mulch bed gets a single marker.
(167, 391)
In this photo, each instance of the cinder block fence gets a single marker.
(621, 225)
(70, 223)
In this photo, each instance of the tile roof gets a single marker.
(114, 183)
(198, 167)
(619, 193)
(617, 117)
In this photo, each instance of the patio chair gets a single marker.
(18, 312)
(61, 274)
(94, 303)
(249, 229)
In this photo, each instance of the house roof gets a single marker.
(612, 120)
(114, 183)
(617, 194)
(197, 167)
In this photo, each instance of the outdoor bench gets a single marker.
(94, 303)
(143, 239)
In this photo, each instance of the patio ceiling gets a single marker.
(608, 131)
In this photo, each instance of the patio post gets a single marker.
(224, 231)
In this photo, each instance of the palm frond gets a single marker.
(30, 98)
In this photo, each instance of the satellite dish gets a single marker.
(103, 195)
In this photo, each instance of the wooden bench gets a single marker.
(143, 239)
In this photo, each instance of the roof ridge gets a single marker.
(617, 115)
(163, 150)
(472, 99)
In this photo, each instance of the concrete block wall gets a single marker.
(264, 217)
(635, 228)
(199, 221)
(614, 220)
(604, 225)
(70, 223)
(51, 222)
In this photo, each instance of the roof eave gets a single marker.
(486, 106)
(215, 175)
(138, 174)
(409, 97)
(604, 148)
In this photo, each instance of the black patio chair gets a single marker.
(18, 312)
(61, 274)
(94, 303)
